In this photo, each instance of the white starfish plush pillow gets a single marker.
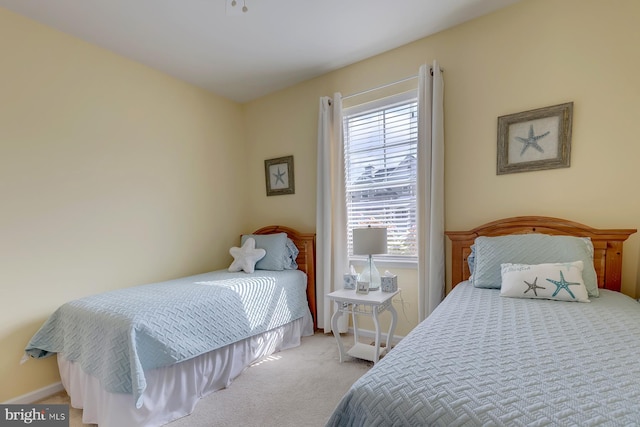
(245, 258)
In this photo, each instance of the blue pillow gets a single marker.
(471, 260)
(292, 254)
(279, 251)
(490, 252)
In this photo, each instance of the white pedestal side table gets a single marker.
(371, 304)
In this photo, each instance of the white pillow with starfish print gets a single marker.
(556, 281)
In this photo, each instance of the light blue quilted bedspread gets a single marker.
(485, 360)
(117, 335)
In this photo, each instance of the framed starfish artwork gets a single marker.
(278, 175)
(535, 139)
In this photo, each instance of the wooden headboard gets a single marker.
(607, 244)
(306, 243)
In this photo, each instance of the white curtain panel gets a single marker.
(331, 211)
(430, 189)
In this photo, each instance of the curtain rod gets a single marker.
(406, 79)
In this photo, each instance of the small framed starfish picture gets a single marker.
(279, 177)
(535, 140)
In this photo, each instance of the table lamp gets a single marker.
(370, 241)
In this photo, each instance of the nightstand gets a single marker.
(371, 304)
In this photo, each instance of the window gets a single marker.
(381, 144)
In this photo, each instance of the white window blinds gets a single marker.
(381, 170)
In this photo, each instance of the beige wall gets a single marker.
(111, 175)
(530, 55)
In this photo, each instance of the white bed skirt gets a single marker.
(172, 392)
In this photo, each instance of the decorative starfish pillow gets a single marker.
(558, 281)
(245, 257)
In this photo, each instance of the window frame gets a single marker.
(386, 260)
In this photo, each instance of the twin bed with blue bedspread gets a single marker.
(145, 355)
(511, 345)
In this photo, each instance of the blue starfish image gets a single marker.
(533, 287)
(532, 141)
(279, 176)
(562, 284)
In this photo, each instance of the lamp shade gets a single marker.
(369, 241)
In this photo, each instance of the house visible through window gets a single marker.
(380, 143)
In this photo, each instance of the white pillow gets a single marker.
(245, 258)
(557, 281)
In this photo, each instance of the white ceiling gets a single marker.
(243, 56)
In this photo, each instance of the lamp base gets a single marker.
(372, 275)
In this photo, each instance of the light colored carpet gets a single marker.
(296, 387)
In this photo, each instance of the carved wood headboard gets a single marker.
(607, 244)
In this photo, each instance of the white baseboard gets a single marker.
(36, 395)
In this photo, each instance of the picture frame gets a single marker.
(535, 140)
(363, 287)
(279, 176)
